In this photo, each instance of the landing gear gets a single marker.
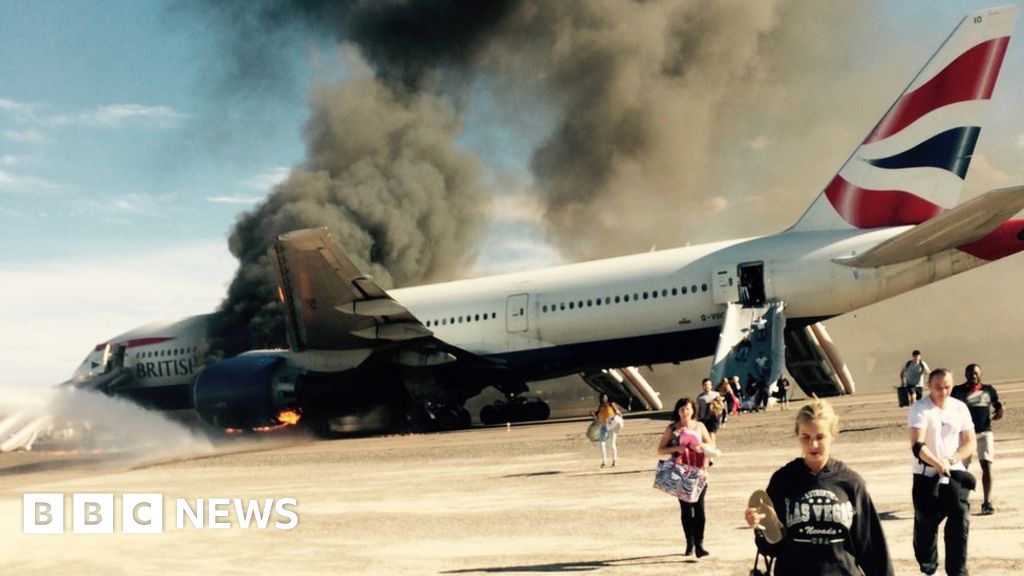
(515, 409)
(438, 417)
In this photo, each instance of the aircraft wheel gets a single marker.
(489, 414)
(449, 418)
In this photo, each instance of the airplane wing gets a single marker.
(964, 224)
(329, 302)
(332, 305)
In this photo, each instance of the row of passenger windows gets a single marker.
(634, 297)
(161, 353)
(462, 319)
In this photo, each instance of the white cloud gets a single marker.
(119, 114)
(515, 257)
(268, 178)
(20, 109)
(14, 183)
(54, 312)
(516, 209)
(241, 200)
(24, 136)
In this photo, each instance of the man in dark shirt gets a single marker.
(983, 402)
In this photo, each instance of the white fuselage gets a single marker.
(480, 315)
(633, 305)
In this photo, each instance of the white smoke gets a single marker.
(104, 426)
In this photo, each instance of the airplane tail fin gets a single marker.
(911, 166)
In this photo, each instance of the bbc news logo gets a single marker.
(94, 513)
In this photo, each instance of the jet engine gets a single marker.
(247, 392)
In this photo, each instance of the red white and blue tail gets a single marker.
(911, 166)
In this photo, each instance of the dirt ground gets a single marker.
(527, 499)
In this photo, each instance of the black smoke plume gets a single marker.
(659, 107)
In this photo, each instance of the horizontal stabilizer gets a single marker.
(964, 224)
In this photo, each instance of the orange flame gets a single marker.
(289, 417)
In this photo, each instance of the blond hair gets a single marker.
(817, 409)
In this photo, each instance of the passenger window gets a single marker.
(703, 287)
(572, 305)
(616, 299)
(674, 291)
(693, 288)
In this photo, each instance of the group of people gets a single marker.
(982, 401)
(730, 397)
(822, 508)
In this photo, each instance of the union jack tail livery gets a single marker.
(911, 167)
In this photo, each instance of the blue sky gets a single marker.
(122, 168)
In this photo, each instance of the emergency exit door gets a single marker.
(516, 317)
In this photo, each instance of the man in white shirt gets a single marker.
(704, 414)
(941, 437)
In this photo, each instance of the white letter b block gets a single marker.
(43, 513)
(92, 513)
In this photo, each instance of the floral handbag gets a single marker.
(683, 481)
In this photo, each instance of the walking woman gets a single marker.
(686, 439)
(609, 415)
(829, 524)
(732, 403)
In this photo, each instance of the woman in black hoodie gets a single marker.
(830, 526)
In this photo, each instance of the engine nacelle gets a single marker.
(246, 392)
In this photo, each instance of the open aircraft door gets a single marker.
(752, 284)
(517, 313)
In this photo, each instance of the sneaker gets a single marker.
(987, 509)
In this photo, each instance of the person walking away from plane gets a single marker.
(606, 413)
(941, 438)
(912, 377)
(705, 414)
(829, 523)
(983, 402)
(731, 402)
(687, 439)
(783, 385)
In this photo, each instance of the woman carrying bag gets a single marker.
(686, 440)
(609, 416)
